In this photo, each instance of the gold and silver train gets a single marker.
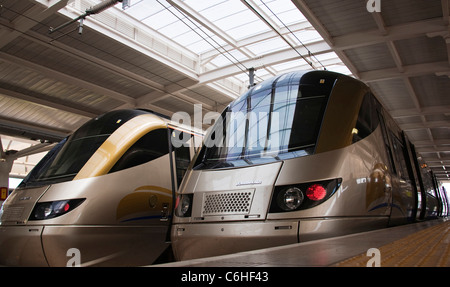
(302, 156)
(299, 157)
(102, 197)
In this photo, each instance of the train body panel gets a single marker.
(226, 195)
(339, 165)
(107, 192)
(361, 203)
(133, 196)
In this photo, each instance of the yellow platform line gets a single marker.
(426, 248)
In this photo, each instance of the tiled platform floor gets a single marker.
(419, 244)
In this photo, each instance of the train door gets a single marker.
(410, 158)
(420, 196)
(403, 196)
(402, 203)
(390, 162)
(438, 195)
(181, 151)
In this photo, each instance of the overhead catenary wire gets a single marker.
(310, 54)
(102, 6)
(227, 54)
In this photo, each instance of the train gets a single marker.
(103, 196)
(302, 156)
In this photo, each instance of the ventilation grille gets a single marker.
(236, 202)
(12, 213)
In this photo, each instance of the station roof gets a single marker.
(167, 55)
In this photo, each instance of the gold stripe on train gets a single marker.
(118, 143)
(144, 200)
(345, 102)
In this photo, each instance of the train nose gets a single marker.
(20, 244)
(18, 206)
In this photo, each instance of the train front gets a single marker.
(259, 170)
(76, 206)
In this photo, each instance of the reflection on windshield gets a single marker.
(269, 122)
(66, 159)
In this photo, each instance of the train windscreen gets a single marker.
(278, 119)
(66, 159)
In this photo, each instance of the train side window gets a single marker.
(367, 120)
(399, 152)
(386, 139)
(181, 142)
(151, 146)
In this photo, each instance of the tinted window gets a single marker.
(399, 155)
(268, 122)
(181, 143)
(68, 157)
(149, 147)
(367, 118)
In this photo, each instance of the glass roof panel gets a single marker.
(234, 32)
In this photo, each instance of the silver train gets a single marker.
(102, 197)
(299, 157)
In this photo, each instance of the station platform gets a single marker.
(419, 244)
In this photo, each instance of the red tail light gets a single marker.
(301, 196)
(316, 192)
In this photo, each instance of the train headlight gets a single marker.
(52, 209)
(290, 199)
(183, 206)
(302, 195)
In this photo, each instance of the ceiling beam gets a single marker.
(34, 149)
(320, 28)
(315, 22)
(204, 22)
(65, 78)
(432, 143)
(397, 32)
(427, 125)
(91, 60)
(408, 71)
(28, 20)
(261, 37)
(96, 24)
(268, 59)
(399, 64)
(433, 149)
(47, 101)
(424, 111)
(170, 89)
(31, 130)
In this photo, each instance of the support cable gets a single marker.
(224, 53)
(90, 11)
(281, 35)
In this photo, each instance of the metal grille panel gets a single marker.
(12, 213)
(233, 202)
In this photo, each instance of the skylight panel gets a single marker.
(267, 46)
(230, 32)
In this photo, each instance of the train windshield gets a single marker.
(278, 119)
(66, 159)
